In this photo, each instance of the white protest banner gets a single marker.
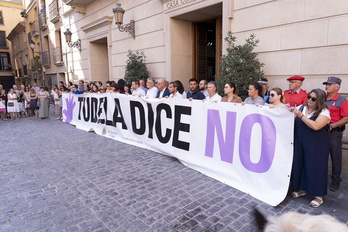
(247, 147)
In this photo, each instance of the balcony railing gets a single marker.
(57, 56)
(34, 29)
(54, 11)
(42, 21)
(46, 62)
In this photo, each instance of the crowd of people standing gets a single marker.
(28, 101)
(320, 116)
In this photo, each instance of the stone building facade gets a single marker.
(9, 17)
(184, 38)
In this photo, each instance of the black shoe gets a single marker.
(334, 186)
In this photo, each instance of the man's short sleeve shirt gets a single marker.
(338, 106)
(296, 98)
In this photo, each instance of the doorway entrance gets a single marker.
(207, 48)
(99, 60)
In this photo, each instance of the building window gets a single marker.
(5, 61)
(1, 19)
(2, 39)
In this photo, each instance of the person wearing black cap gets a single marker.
(265, 92)
(295, 96)
(338, 106)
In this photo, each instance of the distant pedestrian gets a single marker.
(43, 98)
(34, 107)
(12, 104)
(3, 106)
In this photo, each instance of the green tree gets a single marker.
(239, 65)
(136, 68)
(36, 64)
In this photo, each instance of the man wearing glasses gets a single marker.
(295, 96)
(338, 106)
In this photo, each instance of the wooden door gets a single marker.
(218, 48)
(201, 52)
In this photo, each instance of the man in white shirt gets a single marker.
(173, 89)
(163, 91)
(137, 91)
(213, 96)
(152, 90)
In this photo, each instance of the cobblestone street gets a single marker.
(55, 177)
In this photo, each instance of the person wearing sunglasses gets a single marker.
(295, 96)
(311, 148)
(338, 106)
(276, 98)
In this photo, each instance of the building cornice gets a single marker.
(106, 20)
(15, 31)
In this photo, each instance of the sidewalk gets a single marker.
(54, 177)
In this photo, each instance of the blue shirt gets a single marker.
(195, 95)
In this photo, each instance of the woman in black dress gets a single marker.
(311, 148)
(33, 103)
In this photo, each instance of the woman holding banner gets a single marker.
(276, 98)
(311, 148)
(230, 90)
(255, 95)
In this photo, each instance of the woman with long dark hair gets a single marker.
(255, 95)
(311, 148)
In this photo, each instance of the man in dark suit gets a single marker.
(163, 90)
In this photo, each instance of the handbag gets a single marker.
(38, 103)
(10, 104)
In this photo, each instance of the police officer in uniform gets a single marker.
(295, 96)
(338, 106)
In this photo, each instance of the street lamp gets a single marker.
(76, 44)
(32, 45)
(36, 66)
(118, 14)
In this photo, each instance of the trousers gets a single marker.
(336, 154)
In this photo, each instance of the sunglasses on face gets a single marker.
(272, 95)
(313, 99)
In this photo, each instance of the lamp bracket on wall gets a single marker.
(76, 44)
(130, 27)
(118, 14)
